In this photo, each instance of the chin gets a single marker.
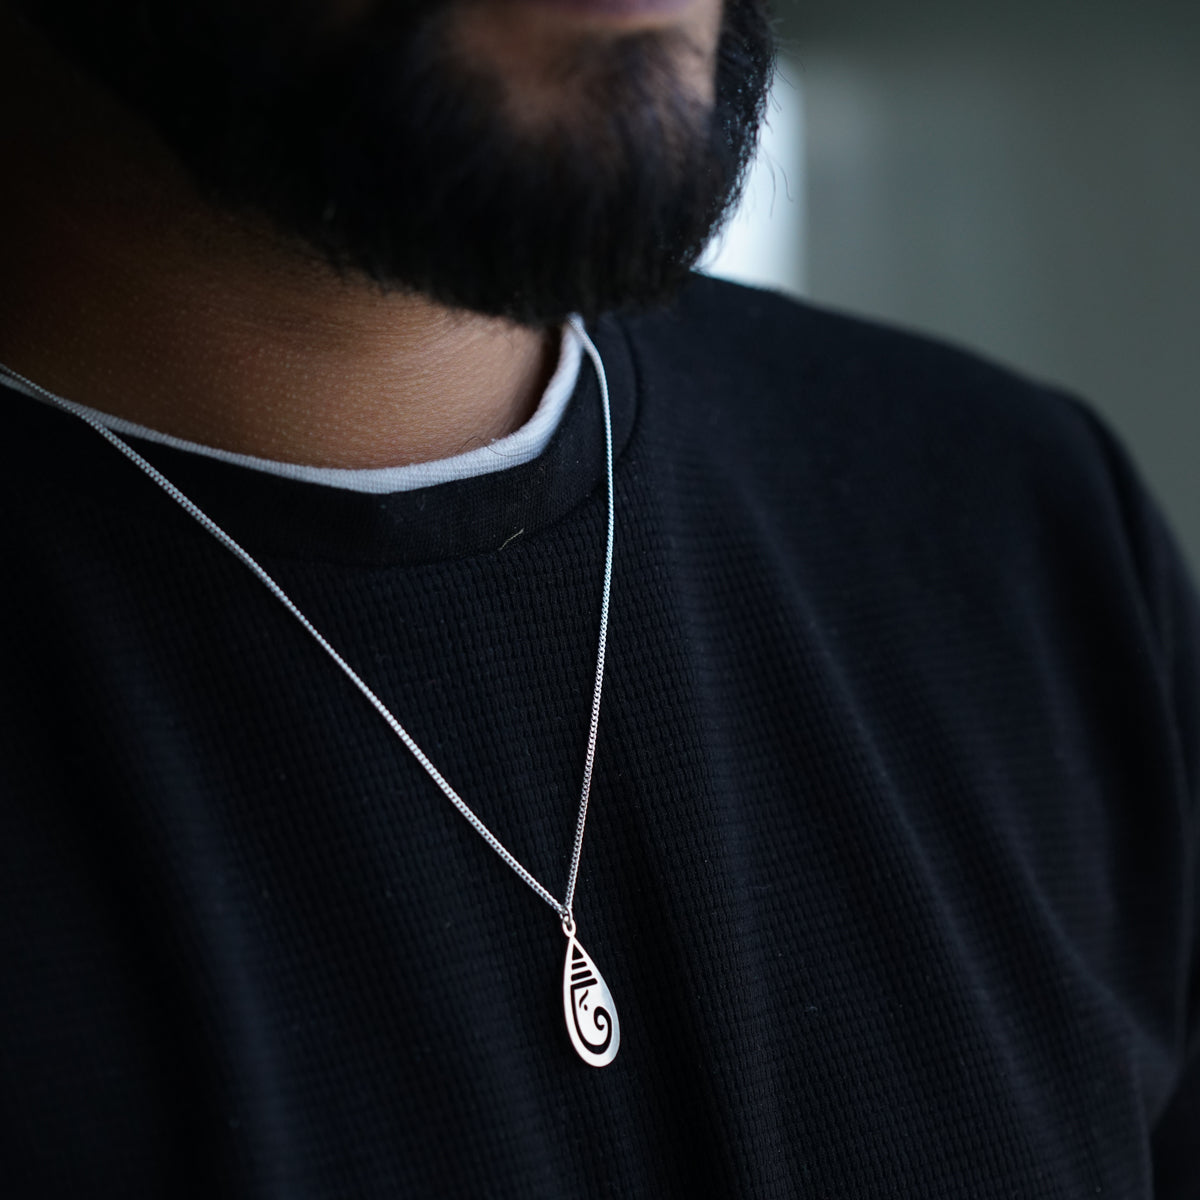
(540, 52)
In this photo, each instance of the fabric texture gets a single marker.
(892, 857)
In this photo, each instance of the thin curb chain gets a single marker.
(564, 908)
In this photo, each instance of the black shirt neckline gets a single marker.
(282, 517)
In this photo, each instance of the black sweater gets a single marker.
(892, 858)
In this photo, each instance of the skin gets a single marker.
(124, 291)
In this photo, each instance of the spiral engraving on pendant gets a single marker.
(598, 1018)
(591, 1015)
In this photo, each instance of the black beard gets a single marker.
(371, 146)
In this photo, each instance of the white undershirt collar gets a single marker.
(518, 447)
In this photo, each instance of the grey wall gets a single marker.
(1025, 180)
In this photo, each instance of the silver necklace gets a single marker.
(588, 1008)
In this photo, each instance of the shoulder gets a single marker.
(885, 462)
(778, 364)
(894, 426)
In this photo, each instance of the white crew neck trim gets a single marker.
(521, 446)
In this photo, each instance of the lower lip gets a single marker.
(616, 10)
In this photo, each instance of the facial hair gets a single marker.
(373, 145)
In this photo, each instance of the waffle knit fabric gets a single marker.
(892, 858)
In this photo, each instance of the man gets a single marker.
(889, 881)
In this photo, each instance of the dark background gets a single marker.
(1022, 177)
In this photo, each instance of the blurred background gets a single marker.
(1021, 177)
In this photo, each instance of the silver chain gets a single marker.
(565, 908)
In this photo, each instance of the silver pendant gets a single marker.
(588, 1006)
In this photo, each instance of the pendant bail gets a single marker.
(568, 924)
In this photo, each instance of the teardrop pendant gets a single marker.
(588, 1007)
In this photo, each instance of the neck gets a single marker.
(124, 291)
